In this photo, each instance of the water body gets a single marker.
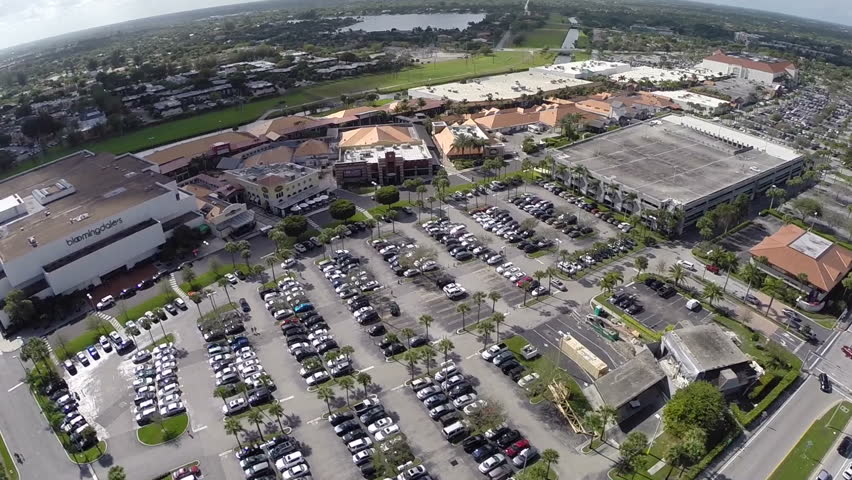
(446, 21)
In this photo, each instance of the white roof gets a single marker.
(655, 74)
(687, 96)
(508, 86)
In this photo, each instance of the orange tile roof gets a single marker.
(196, 148)
(381, 135)
(311, 147)
(353, 112)
(824, 272)
(281, 125)
(282, 154)
(595, 106)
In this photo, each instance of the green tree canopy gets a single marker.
(341, 209)
(698, 405)
(294, 225)
(387, 195)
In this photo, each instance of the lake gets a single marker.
(447, 21)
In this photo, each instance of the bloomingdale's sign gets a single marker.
(94, 232)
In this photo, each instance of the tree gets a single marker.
(712, 292)
(277, 411)
(255, 416)
(478, 298)
(270, 262)
(234, 427)
(326, 394)
(234, 248)
(632, 449)
(640, 264)
(494, 296)
(773, 287)
(550, 456)
(677, 273)
(226, 285)
(412, 357)
(341, 209)
(753, 275)
(246, 254)
(498, 318)
(689, 450)
(698, 405)
(485, 328)
(347, 383)
(387, 195)
(187, 274)
(775, 193)
(294, 225)
(35, 350)
(599, 420)
(485, 418)
(463, 309)
(445, 345)
(426, 321)
(116, 473)
(807, 207)
(19, 308)
(364, 379)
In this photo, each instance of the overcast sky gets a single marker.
(23, 21)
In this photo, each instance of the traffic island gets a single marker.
(163, 431)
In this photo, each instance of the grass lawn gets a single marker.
(543, 365)
(153, 303)
(171, 428)
(220, 309)
(89, 455)
(804, 458)
(168, 338)
(580, 56)
(582, 40)
(541, 253)
(79, 343)
(543, 37)
(211, 277)
(8, 464)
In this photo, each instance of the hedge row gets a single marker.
(747, 418)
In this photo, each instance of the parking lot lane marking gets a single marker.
(398, 387)
(291, 397)
(367, 369)
(472, 355)
(314, 421)
(16, 386)
(224, 453)
(196, 430)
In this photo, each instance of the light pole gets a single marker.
(657, 416)
(91, 300)
(815, 215)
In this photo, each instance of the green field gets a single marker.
(806, 456)
(8, 465)
(89, 455)
(580, 56)
(441, 72)
(155, 434)
(542, 37)
(582, 40)
(79, 343)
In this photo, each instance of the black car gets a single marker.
(417, 341)
(294, 339)
(291, 329)
(234, 328)
(259, 396)
(483, 452)
(393, 349)
(127, 293)
(302, 354)
(516, 373)
(508, 438)
(508, 366)
(845, 446)
(147, 283)
(354, 435)
(343, 428)
(326, 347)
(247, 452)
(394, 309)
(824, 383)
(376, 330)
(370, 416)
(463, 255)
(240, 274)
(470, 444)
(368, 471)
(666, 292)
(461, 389)
(244, 305)
(338, 418)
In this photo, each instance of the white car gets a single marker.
(234, 405)
(428, 266)
(687, 265)
(448, 368)
(225, 371)
(386, 432)
(454, 290)
(359, 444)
(231, 278)
(491, 463)
(493, 351)
(246, 372)
(464, 400)
(169, 389)
(363, 456)
(105, 302)
(504, 267)
(528, 380)
(529, 351)
(172, 409)
(510, 271)
(289, 461)
(475, 407)
(379, 424)
(220, 358)
(298, 471)
(317, 378)
(171, 398)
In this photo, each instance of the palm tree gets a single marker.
(35, 349)
(246, 254)
(326, 394)
(233, 248)
(197, 299)
(364, 379)
(371, 224)
(426, 321)
(485, 328)
(497, 318)
(347, 384)
(412, 357)
(730, 262)
(677, 273)
(277, 411)
(445, 345)
(427, 355)
(640, 264)
(753, 275)
(421, 189)
(347, 351)
(550, 456)
(278, 238)
(255, 416)
(478, 298)
(340, 232)
(226, 285)
(775, 193)
(712, 292)
(607, 284)
(773, 287)
(116, 473)
(494, 296)
(463, 308)
(407, 333)
(270, 262)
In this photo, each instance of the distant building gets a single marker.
(261, 88)
(174, 160)
(196, 96)
(446, 135)
(384, 154)
(746, 37)
(91, 118)
(765, 70)
(694, 102)
(706, 353)
(792, 251)
(168, 108)
(218, 201)
(280, 188)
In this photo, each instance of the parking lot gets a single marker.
(659, 313)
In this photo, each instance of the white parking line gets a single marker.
(398, 387)
(367, 369)
(16, 386)
(196, 430)
(291, 397)
(224, 453)
(472, 355)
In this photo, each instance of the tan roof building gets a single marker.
(380, 135)
(282, 154)
(445, 136)
(793, 251)
(355, 111)
(277, 127)
(312, 147)
(183, 153)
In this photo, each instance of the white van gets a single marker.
(693, 304)
(454, 431)
(686, 265)
(266, 229)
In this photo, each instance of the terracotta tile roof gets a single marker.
(774, 67)
(195, 148)
(311, 147)
(352, 112)
(282, 154)
(595, 106)
(381, 135)
(282, 125)
(795, 251)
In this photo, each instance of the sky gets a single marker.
(23, 21)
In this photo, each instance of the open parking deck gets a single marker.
(660, 312)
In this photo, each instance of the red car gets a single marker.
(517, 447)
(289, 320)
(187, 472)
(712, 268)
(847, 350)
(523, 281)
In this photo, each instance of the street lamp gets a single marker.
(815, 215)
(91, 300)
(657, 416)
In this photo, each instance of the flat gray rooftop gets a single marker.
(668, 161)
(105, 186)
(706, 347)
(630, 380)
